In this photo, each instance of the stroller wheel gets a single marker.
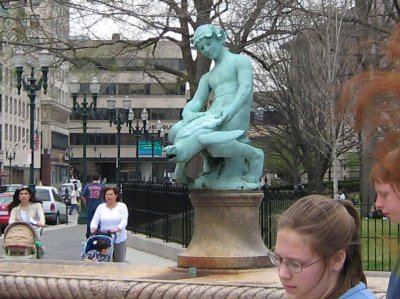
(39, 249)
(39, 252)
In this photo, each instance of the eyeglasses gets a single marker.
(291, 265)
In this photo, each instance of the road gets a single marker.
(65, 242)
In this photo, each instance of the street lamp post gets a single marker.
(138, 131)
(84, 108)
(156, 138)
(118, 118)
(34, 85)
(10, 156)
(69, 155)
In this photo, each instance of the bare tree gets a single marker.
(306, 80)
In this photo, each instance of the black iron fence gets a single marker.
(273, 204)
(164, 211)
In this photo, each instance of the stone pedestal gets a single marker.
(226, 232)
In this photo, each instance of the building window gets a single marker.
(59, 141)
(111, 89)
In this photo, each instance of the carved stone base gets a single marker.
(226, 231)
(39, 279)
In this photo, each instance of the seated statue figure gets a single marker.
(219, 133)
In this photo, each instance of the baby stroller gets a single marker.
(21, 241)
(91, 242)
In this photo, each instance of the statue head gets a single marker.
(208, 30)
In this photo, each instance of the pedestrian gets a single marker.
(112, 216)
(67, 198)
(92, 196)
(374, 93)
(74, 200)
(318, 250)
(342, 195)
(25, 207)
(385, 176)
(100, 254)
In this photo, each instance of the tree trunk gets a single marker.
(367, 193)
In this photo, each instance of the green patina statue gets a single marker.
(218, 134)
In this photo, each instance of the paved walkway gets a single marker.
(65, 242)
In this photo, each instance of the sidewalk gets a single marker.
(76, 235)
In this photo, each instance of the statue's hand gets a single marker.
(224, 116)
(220, 118)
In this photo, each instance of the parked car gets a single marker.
(55, 210)
(9, 188)
(5, 200)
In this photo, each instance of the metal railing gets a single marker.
(164, 211)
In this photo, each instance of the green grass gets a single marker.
(380, 244)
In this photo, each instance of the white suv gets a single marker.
(55, 210)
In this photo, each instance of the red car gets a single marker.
(5, 200)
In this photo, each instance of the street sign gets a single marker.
(145, 148)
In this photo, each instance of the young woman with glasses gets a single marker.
(318, 250)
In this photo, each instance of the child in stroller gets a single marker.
(99, 248)
(21, 241)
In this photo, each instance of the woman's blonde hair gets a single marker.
(331, 225)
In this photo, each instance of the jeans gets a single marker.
(72, 208)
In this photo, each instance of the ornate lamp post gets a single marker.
(155, 138)
(119, 117)
(10, 156)
(84, 108)
(138, 131)
(31, 88)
